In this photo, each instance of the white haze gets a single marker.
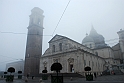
(107, 17)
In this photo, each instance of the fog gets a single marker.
(106, 16)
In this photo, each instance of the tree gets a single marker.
(11, 69)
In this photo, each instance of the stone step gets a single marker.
(118, 72)
(65, 74)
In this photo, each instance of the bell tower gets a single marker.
(34, 42)
(121, 42)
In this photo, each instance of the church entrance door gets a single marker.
(71, 67)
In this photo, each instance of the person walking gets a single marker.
(95, 74)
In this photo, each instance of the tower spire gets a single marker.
(93, 31)
(86, 34)
(92, 26)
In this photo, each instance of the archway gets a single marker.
(70, 65)
(71, 69)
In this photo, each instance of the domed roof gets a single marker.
(87, 39)
(94, 37)
(37, 10)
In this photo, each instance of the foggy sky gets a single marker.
(106, 16)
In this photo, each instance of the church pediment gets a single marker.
(56, 37)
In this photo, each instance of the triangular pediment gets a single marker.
(56, 37)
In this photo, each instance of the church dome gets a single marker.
(94, 38)
(37, 10)
(87, 39)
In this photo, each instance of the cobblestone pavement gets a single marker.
(100, 79)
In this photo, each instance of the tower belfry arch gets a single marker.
(36, 17)
(34, 42)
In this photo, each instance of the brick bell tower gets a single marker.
(34, 42)
(121, 42)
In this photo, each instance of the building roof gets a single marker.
(61, 37)
(87, 39)
(96, 38)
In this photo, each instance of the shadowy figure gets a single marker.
(27, 75)
(72, 70)
(95, 74)
(32, 77)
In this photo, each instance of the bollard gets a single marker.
(41, 81)
(71, 78)
(26, 79)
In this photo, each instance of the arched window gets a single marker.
(60, 46)
(53, 49)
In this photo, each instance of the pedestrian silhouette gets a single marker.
(27, 75)
(32, 77)
(95, 74)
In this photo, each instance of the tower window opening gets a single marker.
(39, 22)
(28, 55)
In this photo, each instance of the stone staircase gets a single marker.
(116, 72)
(72, 75)
(64, 74)
(106, 72)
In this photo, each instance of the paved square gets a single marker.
(100, 79)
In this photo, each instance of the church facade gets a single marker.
(73, 56)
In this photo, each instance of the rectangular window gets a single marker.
(92, 64)
(60, 46)
(84, 62)
(53, 48)
(89, 63)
